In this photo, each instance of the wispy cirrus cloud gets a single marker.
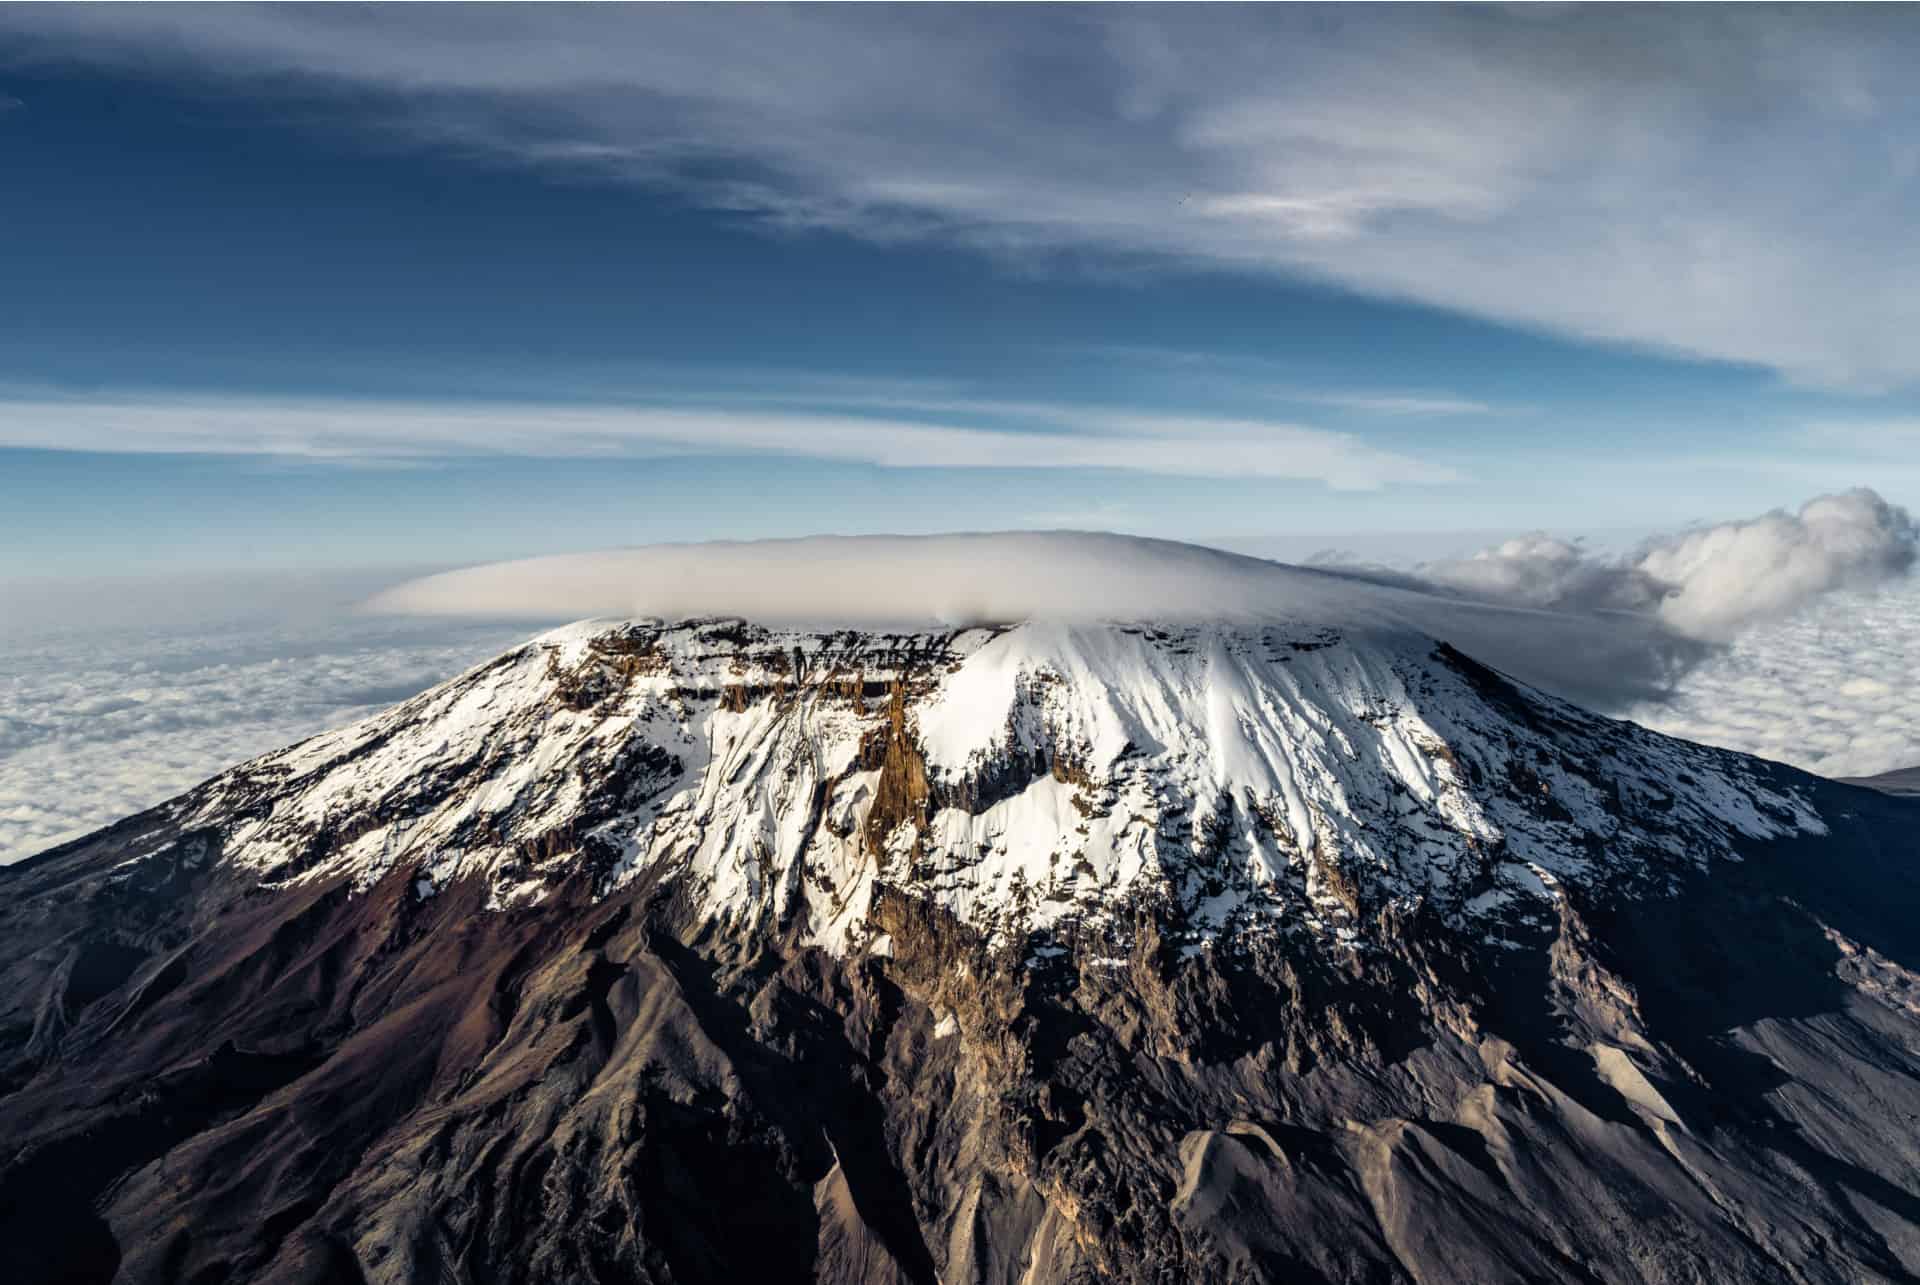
(1732, 183)
(1020, 436)
(1274, 381)
(1393, 403)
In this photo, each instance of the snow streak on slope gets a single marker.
(1061, 779)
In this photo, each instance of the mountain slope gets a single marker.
(1042, 952)
(1904, 780)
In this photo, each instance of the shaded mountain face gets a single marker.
(1037, 953)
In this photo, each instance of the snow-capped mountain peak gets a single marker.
(1037, 781)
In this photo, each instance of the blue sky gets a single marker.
(298, 288)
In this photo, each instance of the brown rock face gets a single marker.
(902, 791)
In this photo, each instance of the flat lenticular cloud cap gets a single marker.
(906, 581)
(895, 580)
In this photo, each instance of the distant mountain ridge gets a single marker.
(1905, 781)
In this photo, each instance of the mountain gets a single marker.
(1209, 950)
(1904, 780)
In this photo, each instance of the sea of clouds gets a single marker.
(98, 723)
(1832, 690)
(1794, 635)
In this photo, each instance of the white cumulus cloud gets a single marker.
(1709, 582)
(1716, 581)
